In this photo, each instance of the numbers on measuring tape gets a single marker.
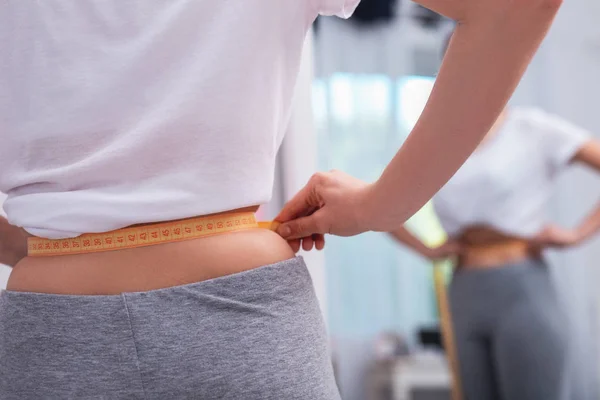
(144, 236)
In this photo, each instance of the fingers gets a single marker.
(307, 244)
(305, 202)
(295, 245)
(304, 227)
(319, 241)
(296, 206)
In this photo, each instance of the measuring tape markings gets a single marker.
(147, 235)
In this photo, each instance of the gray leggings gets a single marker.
(510, 333)
(251, 336)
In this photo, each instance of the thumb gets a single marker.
(303, 227)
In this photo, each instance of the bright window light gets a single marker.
(413, 93)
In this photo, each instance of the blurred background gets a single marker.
(362, 87)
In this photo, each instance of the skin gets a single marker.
(146, 268)
(490, 49)
(13, 243)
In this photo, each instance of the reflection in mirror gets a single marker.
(504, 321)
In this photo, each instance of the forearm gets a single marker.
(486, 58)
(404, 236)
(13, 243)
(590, 225)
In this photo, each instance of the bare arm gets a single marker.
(13, 243)
(488, 54)
(448, 249)
(556, 236)
(589, 155)
(406, 238)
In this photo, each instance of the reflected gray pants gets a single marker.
(510, 333)
(255, 335)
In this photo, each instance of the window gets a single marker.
(373, 283)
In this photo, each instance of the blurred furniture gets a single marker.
(421, 376)
(424, 375)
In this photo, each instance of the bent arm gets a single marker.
(491, 47)
(403, 236)
(589, 155)
(13, 243)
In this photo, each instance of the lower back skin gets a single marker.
(152, 267)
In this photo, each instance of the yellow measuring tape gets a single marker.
(147, 235)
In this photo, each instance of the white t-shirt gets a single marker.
(507, 182)
(114, 112)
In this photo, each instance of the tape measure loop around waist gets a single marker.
(147, 235)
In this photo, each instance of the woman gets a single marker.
(132, 129)
(509, 330)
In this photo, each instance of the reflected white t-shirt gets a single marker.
(114, 113)
(507, 183)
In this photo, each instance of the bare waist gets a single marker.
(153, 267)
(484, 247)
